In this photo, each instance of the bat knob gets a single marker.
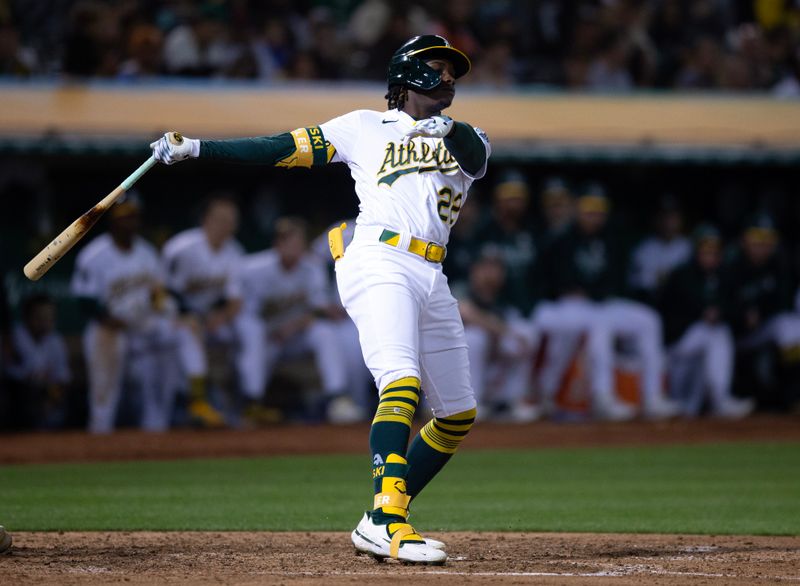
(175, 137)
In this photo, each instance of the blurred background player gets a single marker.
(558, 211)
(500, 343)
(508, 232)
(40, 366)
(760, 288)
(287, 310)
(202, 272)
(657, 255)
(132, 333)
(360, 381)
(701, 352)
(585, 270)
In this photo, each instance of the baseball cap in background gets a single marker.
(592, 198)
(706, 235)
(129, 205)
(555, 187)
(761, 227)
(512, 184)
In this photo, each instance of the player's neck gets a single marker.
(419, 113)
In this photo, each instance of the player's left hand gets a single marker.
(433, 127)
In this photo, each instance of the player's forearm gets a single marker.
(303, 147)
(467, 148)
(262, 150)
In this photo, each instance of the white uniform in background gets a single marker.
(408, 322)
(655, 258)
(273, 296)
(500, 370)
(45, 361)
(201, 275)
(123, 282)
(359, 380)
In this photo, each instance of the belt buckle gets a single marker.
(432, 253)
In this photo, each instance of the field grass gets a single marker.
(713, 489)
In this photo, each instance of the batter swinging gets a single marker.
(412, 168)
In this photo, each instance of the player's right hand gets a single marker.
(172, 147)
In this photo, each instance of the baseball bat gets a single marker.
(61, 244)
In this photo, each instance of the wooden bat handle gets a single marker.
(61, 244)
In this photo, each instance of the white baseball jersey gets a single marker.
(655, 258)
(276, 294)
(122, 280)
(417, 188)
(201, 275)
(45, 360)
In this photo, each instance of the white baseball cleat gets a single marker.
(376, 541)
(661, 408)
(343, 410)
(612, 409)
(733, 408)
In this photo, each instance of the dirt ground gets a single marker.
(328, 558)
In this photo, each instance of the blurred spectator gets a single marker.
(788, 86)
(609, 69)
(40, 369)
(90, 41)
(200, 47)
(500, 345)
(701, 64)
(701, 352)
(760, 290)
(585, 269)
(508, 233)
(15, 60)
(495, 67)
(145, 44)
(288, 312)
(455, 23)
(202, 272)
(659, 254)
(272, 48)
(611, 45)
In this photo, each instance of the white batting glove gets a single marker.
(172, 147)
(433, 127)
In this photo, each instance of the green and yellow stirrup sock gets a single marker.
(434, 445)
(388, 441)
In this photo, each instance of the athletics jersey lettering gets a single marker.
(401, 159)
(431, 187)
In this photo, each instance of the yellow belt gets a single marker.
(430, 251)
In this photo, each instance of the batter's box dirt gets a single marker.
(328, 558)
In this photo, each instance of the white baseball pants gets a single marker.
(408, 322)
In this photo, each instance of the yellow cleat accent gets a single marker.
(203, 414)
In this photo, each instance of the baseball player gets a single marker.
(696, 327)
(412, 168)
(761, 288)
(656, 256)
(201, 266)
(41, 365)
(132, 333)
(287, 312)
(585, 269)
(501, 344)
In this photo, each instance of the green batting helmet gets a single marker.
(408, 68)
